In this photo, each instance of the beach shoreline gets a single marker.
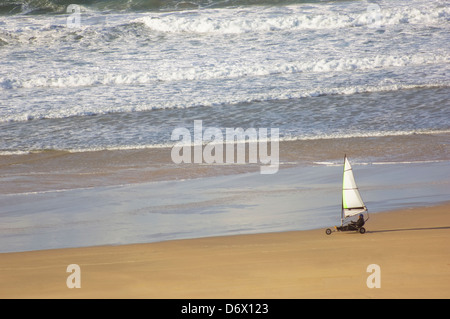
(134, 145)
(410, 246)
(95, 210)
(57, 199)
(59, 170)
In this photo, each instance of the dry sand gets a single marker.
(411, 247)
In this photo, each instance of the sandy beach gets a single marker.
(222, 231)
(195, 149)
(410, 246)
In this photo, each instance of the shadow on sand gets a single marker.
(407, 229)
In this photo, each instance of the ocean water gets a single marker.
(96, 75)
(298, 198)
(91, 75)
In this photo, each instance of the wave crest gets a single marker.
(170, 73)
(87, 110)
(8, 7)
(292, 18)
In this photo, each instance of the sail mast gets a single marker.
(342, 201)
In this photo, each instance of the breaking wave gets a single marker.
(293, 18)
(221, 71)
(205, 102)
(8, 7)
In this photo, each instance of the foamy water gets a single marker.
(127, 75)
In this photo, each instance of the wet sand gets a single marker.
(410, 246)
(56, 170)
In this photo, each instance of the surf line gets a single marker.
(208, 146)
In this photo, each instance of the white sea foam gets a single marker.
(121, 65)
(9, 153)
(408, 162)
(305, 137)
(358, 163)
(290, 18)
(166, 73)
(90, 110)
(295, 18)
(364, 134)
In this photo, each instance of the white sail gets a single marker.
(352, 203)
